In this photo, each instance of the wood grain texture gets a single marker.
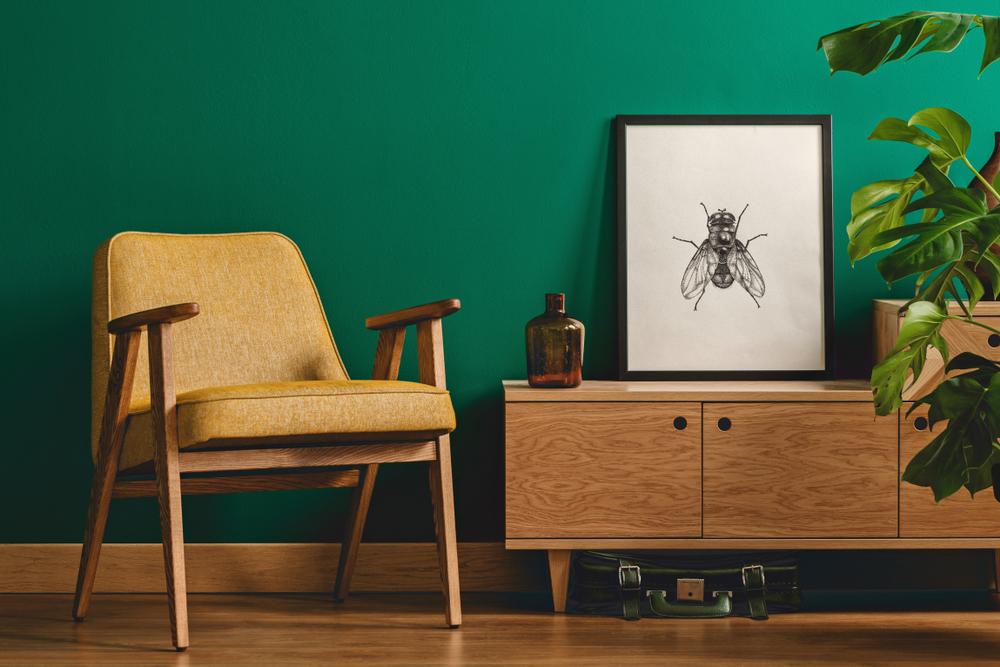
(307, 457)
(243, 483)
(164, 315)
(603, 470)
(384, 630)
(983, 308)
(965, 337)
(311, 568)
(761, 543)
(518, 391)
(430, 353)
(163, 398)
(407, 316)
(120, 379)
(885, 331)
(930, 377)
(273, 568)
(961, 337)
(799, 470)
(958, 515)
(388, 353)
(357, 512)
(559, 562)
(442, 497)
(888, 306)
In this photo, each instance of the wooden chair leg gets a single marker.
(120, 380)
(168, 476)
(356, 514)
(444, 527)
(93, 537)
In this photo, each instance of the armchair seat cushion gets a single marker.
(296, 413)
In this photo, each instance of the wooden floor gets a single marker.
(499, 629)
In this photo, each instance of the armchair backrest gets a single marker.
(261, 318)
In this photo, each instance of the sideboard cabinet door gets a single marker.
(799, 470)
(958, 515)
(608, 470)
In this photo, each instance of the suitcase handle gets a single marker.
(723, 606)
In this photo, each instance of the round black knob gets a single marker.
(680, 423)
(993, 340)
(920, 423)
(725, 424)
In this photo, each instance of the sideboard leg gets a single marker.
(996, 570)
(559, 575)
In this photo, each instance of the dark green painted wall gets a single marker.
(415, 151)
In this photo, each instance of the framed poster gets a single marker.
(725, 247)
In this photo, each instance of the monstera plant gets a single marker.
(950, 231)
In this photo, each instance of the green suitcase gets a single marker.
(683, 585)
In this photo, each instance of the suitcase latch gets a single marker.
(691, 589)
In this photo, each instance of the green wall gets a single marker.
(415, 151)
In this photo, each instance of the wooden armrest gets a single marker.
(139, 321)
(408, 316)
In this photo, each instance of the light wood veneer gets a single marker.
(603, 470)
(803, 465)
(961, 337)
(799, 470)
(503, 629)
(518, 391)
(958, 515)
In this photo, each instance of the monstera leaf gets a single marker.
(882, 206)
(865, 47)
(940, 241)
(964, 452)
(921, 328)
(942, 252)
(964, 209)
(879, 207)
(953, 131)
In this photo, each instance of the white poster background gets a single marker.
(777, 171)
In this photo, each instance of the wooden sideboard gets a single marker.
(961, 337)
(721, 465)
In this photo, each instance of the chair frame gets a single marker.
(170, 462)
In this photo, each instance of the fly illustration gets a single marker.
(722, 259)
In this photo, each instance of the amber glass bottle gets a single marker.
(554, 342)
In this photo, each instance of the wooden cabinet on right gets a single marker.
(961, 337)
(958, 515)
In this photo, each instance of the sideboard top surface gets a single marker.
(983, 308)
(518, 391)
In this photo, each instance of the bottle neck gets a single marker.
(555, 304)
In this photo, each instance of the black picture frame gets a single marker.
(654, 134)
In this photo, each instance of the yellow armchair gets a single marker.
(253, 383)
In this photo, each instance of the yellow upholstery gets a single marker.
(296, 413)
(258, 361)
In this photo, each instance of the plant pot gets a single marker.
(989, 172)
